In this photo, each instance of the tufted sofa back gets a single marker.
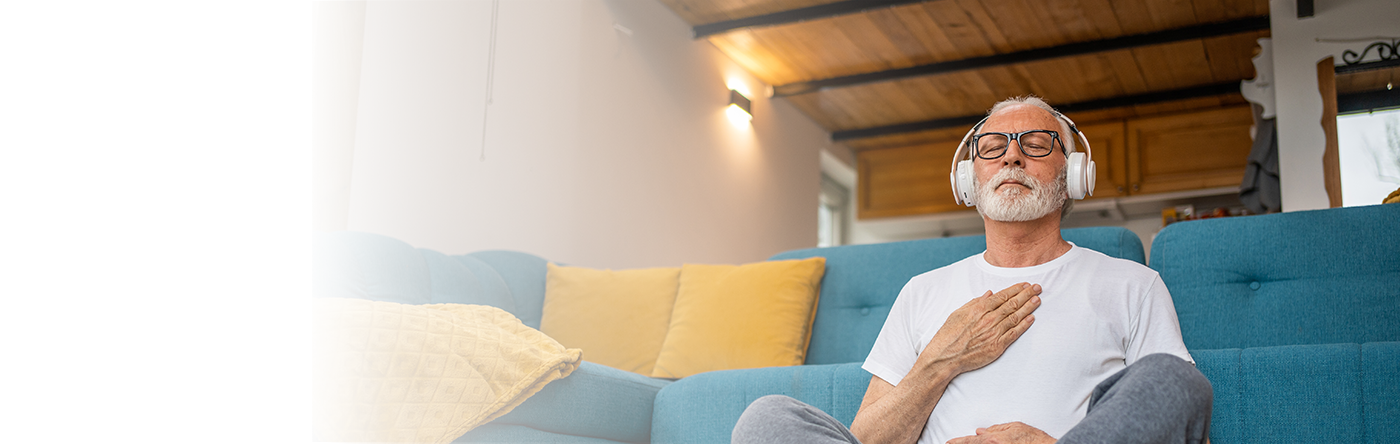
(862, 281)
(1312, 277)
(377, 267)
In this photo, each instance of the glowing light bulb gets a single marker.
(737, 116)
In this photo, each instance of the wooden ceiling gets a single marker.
(1046, 41)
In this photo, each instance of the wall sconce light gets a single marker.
(740, 107)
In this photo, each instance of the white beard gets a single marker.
(1014, 204)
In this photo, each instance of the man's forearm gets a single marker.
(900, 415)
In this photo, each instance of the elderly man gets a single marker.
(1076, 344)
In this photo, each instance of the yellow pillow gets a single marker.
(618, 318)
(749, 316)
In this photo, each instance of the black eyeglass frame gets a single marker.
(1054, 138)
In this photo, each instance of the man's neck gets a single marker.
(1026, 243)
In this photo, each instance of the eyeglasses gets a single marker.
(1033, 143)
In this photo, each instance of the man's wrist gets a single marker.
(941, 370)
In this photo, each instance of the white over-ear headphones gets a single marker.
(1079, 178)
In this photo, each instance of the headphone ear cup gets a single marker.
(964, 184)
(1076, 176)
(1092, 178)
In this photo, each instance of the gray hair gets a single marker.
(1067, 135)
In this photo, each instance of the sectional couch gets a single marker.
(1293, 317)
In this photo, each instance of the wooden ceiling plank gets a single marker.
(1098, 72)
(1100, 14)
(809, 105)
(979, 92)
(1133, 17)
(1127, 71)
(757, 59)
(799, 62)
(819, 108)
(878, 47)
(917, 20)
(1039, 24)
(1004, 82)
(1029, 79)
(898, 32)
(959, 29)
(1221, 56)
(949, 21)
(824, 50)
(1050, 81)
(1174, 65)
(1208, 11)
(808, 13)
(1074, 21)
(984, 25)
(1171, 13)
(953, 99)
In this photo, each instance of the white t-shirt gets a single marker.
(1098, 314)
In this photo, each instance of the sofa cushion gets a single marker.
(747, 316)
(1380, 368)
(524, 274)
(1336, 393)
(372, 267)
(1314, 277)
(380, 268)
(618, 318)
(862, 282)
(595, 401)
(704, 408)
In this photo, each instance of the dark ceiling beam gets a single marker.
(797, 15)
(1073, 49)
(1115, 102)
(1367, 101)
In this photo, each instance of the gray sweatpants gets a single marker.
(1159, 399)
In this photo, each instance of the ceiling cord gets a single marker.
(490, 76)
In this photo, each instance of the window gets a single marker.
(1369, 151)
(831, 214)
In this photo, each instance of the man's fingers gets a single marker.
(966, 439)
(1006, 294)
(1015, 332)
(1017, 301)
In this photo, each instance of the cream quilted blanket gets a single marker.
(390, 372)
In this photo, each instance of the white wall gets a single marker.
(602, 149)
(1296, 53)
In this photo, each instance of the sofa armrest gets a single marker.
(703, 408)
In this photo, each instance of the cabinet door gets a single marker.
(905, 181)
(1110, 158)
(1188, 151)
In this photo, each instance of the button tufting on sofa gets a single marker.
(1254, 285)
(865, 311)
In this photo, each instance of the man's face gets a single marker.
(1016, 187)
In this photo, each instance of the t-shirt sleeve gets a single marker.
(1156, 328)
(894, 352)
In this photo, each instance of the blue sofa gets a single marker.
(1293, 317)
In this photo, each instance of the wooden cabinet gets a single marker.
(905, 181)
(1109, 142)
(1187, 151)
